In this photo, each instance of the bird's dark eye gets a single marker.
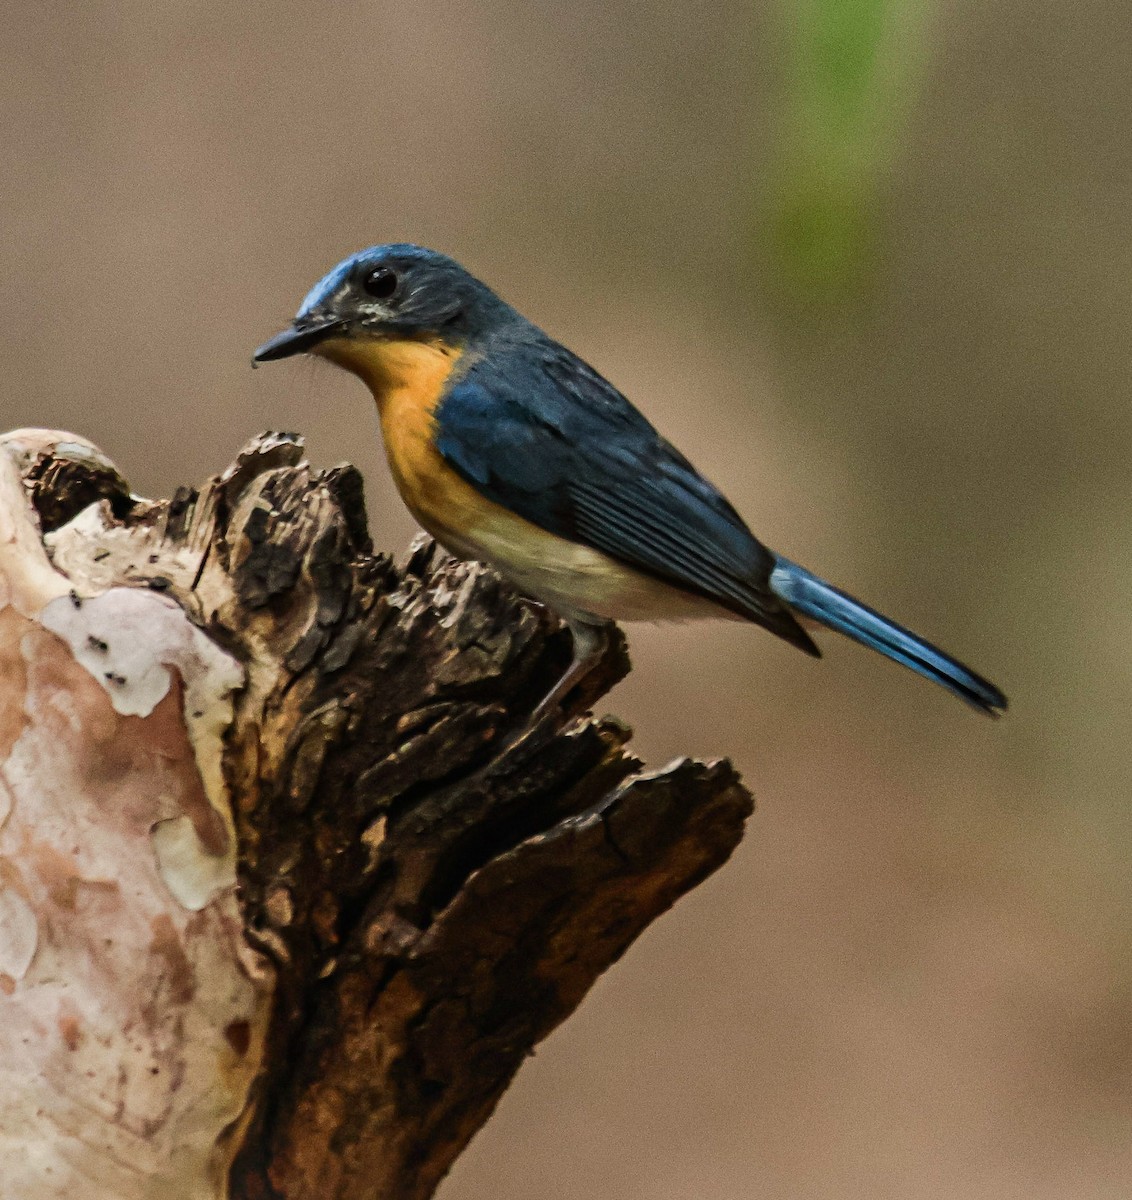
(380, 283)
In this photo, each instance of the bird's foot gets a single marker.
(590, 645)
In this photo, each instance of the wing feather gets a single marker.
(539, 432)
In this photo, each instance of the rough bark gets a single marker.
(283, 905)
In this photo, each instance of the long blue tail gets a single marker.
(813, 597)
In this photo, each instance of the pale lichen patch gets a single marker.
(19, 934)
(192, 875)
(112, 636)
(131, 642)
(30, 580)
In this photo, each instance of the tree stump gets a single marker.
(283, 903)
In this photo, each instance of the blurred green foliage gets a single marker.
(851, 73)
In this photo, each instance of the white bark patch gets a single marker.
(128, 640)
(71, 546)
(19, 934)
(30, 581)
(191, 874)
(132, 1011)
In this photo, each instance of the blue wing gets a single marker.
(538, 431)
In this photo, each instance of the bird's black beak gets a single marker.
(301, 337)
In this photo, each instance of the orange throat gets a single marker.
(407, 378)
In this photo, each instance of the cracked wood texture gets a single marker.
(423, 897)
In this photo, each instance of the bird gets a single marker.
(511, 450)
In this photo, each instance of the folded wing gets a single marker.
(545, 436)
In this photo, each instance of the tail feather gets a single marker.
(813, 597)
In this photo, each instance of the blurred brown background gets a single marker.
(887, 308)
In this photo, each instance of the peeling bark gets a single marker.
(283, 906)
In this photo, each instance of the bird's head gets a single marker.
(376, 302)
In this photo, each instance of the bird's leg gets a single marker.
(590, 643)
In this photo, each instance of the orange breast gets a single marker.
(407, 379)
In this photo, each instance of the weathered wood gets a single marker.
(423, 897)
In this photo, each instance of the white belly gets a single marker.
(573, 579)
